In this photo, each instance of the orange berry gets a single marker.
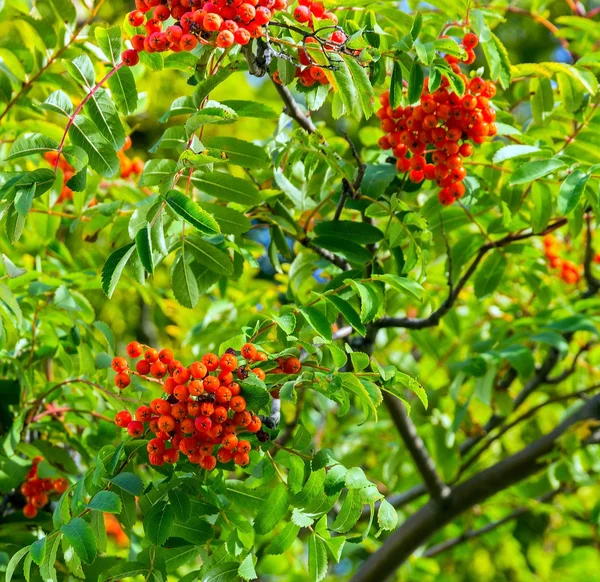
(211, 361)
(122, 380)
(198, 370)
(248, 351)
(241, 459)
(237, 404)
(119, 364)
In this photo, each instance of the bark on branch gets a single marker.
(416, 447)
(434, 318)
(418, 528)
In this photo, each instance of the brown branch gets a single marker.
(434, 318)
(418, 528)
(474, 533)
(438, 490)
(292, 109)
(524, 416)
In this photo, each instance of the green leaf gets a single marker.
(359, 361)
(349, 313)
(157, 172)
(209, 116)
(181, 505)
(30, 144)
(251, 109)
(24, 199)
(415, 82)
(364, 89)
(158, 523)
(371, 299)
(286, 321)
(14, 562)
(230, 221)
(240, 153)
(106, 501)
(350, 512)
(490, 274)
(520, 358)
(396, 86)
(143, 244)
(360, 232)
(192, 212)
(356, 254)
(222, 572)
(387, 516)
(317, 558)
(103, 159)
(109, 41)
(403, 285)
(352, 384)
(317, 321)
(283, 540)
(195, 530)
(246, 569)
(212, 81)
(272, 511)
(571, 190)
(514, 151)
(113, 268)
(58, 102)
(129, 482)
(226, 187)
(80, 535)
(531, 171)
(124, 91)
(103, 113)
(542, 206)
(184, 284)
(209, 256)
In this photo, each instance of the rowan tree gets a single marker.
(299, 290)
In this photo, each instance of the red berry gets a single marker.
(130, 58)
(135, 18)
(470, 40)
(225, 39)
(242, 36)
(302, 14)
(119, 364)
(122, 418)
(135, 428)
(122, 380)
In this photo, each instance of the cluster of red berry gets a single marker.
(569, 271)
(447, 122)
(219, 22)
(308, 11)
(203, 406)
(36, 490)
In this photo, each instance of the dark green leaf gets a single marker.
(80, 535)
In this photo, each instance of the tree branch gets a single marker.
(438, 490)
(474, 533)
(292, 109)
(434, 318)
(519, 419)
(418, 528)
